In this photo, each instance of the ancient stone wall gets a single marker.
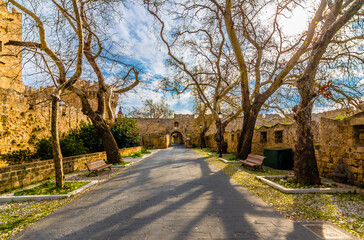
(160, 141)
(24, 174)
(151, 129)
(24, 120)
(10, 57)
(342, 140)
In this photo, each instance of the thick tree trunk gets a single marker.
(305, 165)
(220, 130)
(246, 135)
(202, 137)
(57, 154)
(108, 140)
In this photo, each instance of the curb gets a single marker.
(11, 198)
(345, 189)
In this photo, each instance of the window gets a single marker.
(359, 135)
(232, 137)
(278, 136)
(1, 46)
(263, 137)
(176, 124)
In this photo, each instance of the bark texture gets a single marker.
(57, 154)
(108, 141)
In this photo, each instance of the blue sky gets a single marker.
(142, 44)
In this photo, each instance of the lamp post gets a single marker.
(220, 147)
(201, 136)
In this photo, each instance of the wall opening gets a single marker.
(278, 136)
(359, 135)
(176, 138)
(263, 137)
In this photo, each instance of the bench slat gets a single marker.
(97, 165)
(253, 160)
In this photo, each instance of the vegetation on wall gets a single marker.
(80, 141)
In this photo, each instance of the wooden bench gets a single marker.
(254, 161)
(95, 166)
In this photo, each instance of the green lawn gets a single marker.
(50, 188)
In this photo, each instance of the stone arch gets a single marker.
(177, 137)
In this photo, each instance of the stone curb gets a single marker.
(226, 161)
(10, 198)
(132, 163)
(307, 190)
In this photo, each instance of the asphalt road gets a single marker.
(173, 194)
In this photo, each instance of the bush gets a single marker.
(72, 146)
(86, 140)
(18, 157)
(89, 137)
(44, 149)
(125, 132)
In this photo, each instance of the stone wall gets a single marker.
(10, 57)
(160, 141)
(151, 129)
(342, 140)
(24, 174)
(22, 124)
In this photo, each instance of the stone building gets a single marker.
(161, 133)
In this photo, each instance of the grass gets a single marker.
(50, 188)
(122, 163)
(342, 209)
(137, 154)
(145, 151)
(17, 216)
(289, 183)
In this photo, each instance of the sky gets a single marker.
(138, 31)
(139, 34)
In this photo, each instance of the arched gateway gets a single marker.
(161, 133)
(176, 138)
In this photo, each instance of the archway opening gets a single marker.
(176, 138)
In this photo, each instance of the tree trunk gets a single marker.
(57, 154)
(305, 165)
(202, 137)
(246, 135)
(108, 140)
(220, 127)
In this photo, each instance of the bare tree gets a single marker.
(103, 116)
(337, 16)
(201, 57)
(63, 81)
(152, 110)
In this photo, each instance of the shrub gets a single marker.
(44, 149)
(90, 138)
(18, 157)
(72, 146)
(125, 132)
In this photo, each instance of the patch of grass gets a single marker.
(50, 188)
(341, 209)
(145, 151)
(122, 163)
(231, 158)
(133, 155)
(288, 182)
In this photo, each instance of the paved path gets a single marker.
(174, 194)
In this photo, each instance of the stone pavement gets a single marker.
(173, 194)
